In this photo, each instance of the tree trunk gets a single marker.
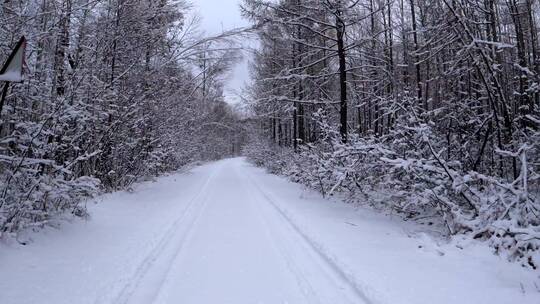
(416, 55)
(62, 45)
(340, 26)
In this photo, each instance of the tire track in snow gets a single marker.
(326, 261)
(307, 289)
(184, 238)
(157, 255)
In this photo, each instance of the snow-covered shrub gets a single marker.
(31, 199)
(263, 154)
(407, 171)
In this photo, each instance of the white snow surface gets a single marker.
(229, 233)
(11, 76)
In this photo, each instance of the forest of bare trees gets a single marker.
(115, 91)
(426, 108)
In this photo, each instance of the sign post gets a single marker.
(12, 71)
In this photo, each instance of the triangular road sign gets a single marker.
(13, 68)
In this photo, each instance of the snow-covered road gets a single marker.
(229, 233)
(231, 246)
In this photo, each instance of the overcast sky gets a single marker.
(217, 16)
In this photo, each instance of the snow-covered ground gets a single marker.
(229, 233)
